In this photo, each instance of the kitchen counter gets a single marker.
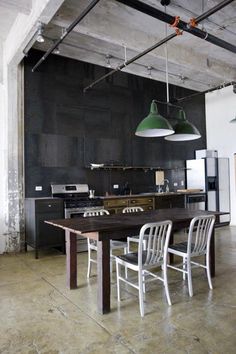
(151, 194)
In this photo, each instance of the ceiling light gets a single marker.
(154, 124)
(108, 60)
(184, 130)
(39, 37)
(149, 70)
(56, 50)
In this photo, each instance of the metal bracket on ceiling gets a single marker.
(165, 2)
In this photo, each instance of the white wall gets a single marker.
(3, 169)
(221, 134)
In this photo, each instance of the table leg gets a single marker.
(212, 253)
(103, 274)
(71, 260)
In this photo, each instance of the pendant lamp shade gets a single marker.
(184, 130)
(233, 120)
(154, 124)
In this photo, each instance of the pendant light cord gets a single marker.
(167, 71)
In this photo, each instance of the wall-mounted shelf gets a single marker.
(125, 168)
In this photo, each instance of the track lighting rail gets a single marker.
(66, 32)
(128, 62)
(206, 91)
(168, 19)
(162, 16)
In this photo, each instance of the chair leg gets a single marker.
(166, 282)
(128, 245)
(126, 270)
(208, 271)
(140, 281)
(89, 262)
(118, 280)
(189, 270)
(184, 267)
(144, 285)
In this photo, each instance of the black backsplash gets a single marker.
(66, 130)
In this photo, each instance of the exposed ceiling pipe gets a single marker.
(165, 40)
(128, 62)
(216, 8)
(203, 92)
(66, 32)
(162, 16)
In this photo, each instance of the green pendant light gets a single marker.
(184, 130)
(233, 120)
(154, 124)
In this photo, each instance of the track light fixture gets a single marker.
(40, 37)
(108, 60)
(56, 50)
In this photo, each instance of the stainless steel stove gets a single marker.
(76, 202)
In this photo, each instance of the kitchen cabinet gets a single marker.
(169, 201)
(116, 205)
(38, 234)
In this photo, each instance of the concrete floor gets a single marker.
(39, 315)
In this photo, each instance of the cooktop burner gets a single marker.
(75, 195)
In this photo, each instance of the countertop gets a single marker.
(149, 195)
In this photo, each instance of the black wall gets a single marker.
(66, 130)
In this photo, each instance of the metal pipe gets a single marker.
(160, 15)
(206, 91)
(126, 63)
(213, 10)
(67, 31)
(168, 19)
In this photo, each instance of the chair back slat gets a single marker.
(199, 236)
(157, 236)
(98, 212)
(133, 209)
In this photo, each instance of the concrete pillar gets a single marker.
(3, 169)
(11, 160)
(11, 121)
(15, 137)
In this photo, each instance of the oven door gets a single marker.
(82, 243)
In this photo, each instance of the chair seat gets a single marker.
(133, 257)
(180, 247)
(117, 244)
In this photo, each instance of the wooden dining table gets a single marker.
(117, 226)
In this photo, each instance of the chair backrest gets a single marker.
(133, 209)
(98, 212)
(199, 234)
(157, 236)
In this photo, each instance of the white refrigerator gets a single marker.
(212, 176)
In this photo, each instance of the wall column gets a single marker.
(11, 161)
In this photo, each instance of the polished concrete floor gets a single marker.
(39, 315)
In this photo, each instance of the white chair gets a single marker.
(198, 244)
(135, 239)
(142, 262)
(92, 244)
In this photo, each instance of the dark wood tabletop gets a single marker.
(105, 228)
(127, 221)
